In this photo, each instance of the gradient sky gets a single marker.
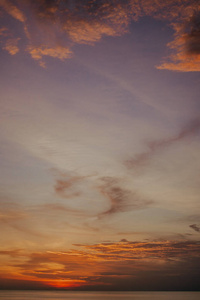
(100, 144)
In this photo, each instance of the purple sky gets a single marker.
(100, 147)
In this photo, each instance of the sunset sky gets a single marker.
(100, 144)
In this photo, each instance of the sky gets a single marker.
(100, 144)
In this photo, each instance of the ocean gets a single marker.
(66, 295)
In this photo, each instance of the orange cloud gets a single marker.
(85, 33)
(11, 46)
(59, 52)
(57, 269)
(95, 264)
(126, 250)
(186, 45)
(13, 10)
(3, 31)
(56, 26)
(182, 63)
(62, 185)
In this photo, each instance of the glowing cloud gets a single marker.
(97, 264)
(55, 26)
(11, 46)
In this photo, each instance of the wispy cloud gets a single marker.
(120, 198)
(63, 187)
(108, 251)
(12, 253)
(195, 227)
(142, 159)
(13, 10)
(68, 184)
(126, 250)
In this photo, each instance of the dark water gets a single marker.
(61, 295)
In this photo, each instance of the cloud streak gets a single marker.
(63, 186)
(195, 227)
(120, 199)
(126, 250)
(142, 159)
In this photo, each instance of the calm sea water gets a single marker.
(65, 295)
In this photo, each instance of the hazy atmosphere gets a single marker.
(100, 144)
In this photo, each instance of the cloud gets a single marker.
(80, 192)
(68, 185)
(111, 193)
(63, 187)
(195, 227)
(11, 46)
(186, 45)
(56, 26)
(57, 52)
(126, 250)
(182, 63)
(193, 37)
(142, 159)
(3, 31)
(12, 253)
(120, 199)
(107, 264)
(123, 250)
(13, 10)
